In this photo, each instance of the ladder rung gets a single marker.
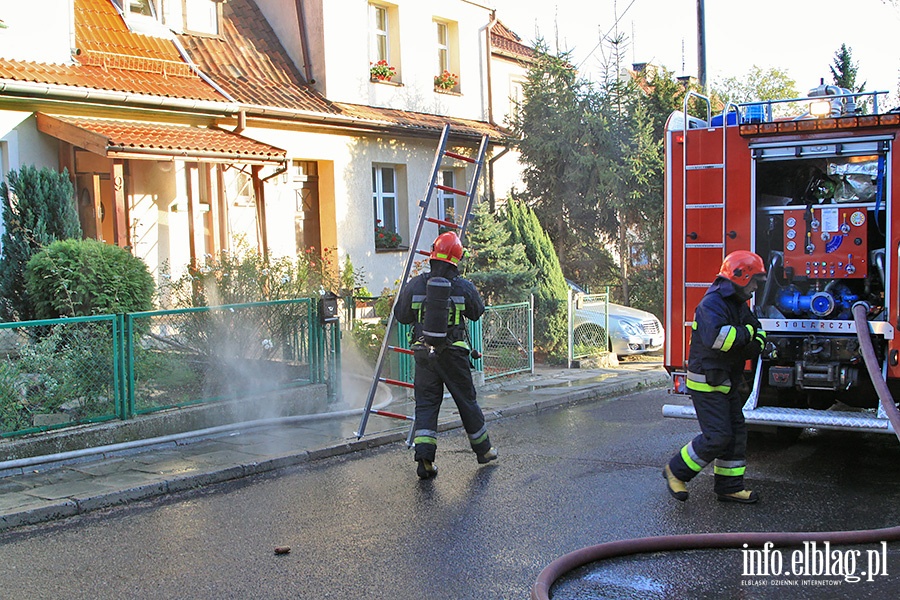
(385, 413)
(451, 190)
(459, 156)
(395, 382)
(701, 167)
(423, 252)
(403, 350)
(449, 224)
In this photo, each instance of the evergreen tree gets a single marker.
(550, 328)
(843, 72)
(496, 265)
(565, 148)
(38, 209)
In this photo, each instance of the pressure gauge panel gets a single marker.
(826, 242)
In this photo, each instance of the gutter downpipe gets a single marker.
(304, 42)
(492, 202)
(569, 562)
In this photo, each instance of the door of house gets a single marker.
(306, 219)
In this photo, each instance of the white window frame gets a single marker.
(381, 198)
(381, 35)
(443, 46)
(445, 198)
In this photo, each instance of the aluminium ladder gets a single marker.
(460, 229)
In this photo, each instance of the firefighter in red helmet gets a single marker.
(725, 334)
(437, 303)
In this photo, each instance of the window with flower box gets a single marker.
(446, 37)
(384, 43)
(385, 207)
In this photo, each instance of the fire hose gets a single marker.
(573, 560)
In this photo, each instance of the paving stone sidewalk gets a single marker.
(45, 492)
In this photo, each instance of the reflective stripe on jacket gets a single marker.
(721, 339)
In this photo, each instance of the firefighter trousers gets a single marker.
(723, 440)
(449, 367)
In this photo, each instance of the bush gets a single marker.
(247, 276)
(38, 208)
(74, 278)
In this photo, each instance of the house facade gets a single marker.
(190, 127)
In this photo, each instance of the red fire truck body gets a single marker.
(818, 200)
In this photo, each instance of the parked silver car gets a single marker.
(631, 330)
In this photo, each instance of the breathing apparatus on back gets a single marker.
(437, 311)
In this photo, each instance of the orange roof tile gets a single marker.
(131, 137)
(507, 42)
(422, 122)
(113, 58)
(248, 61)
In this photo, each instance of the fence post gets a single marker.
(570, 329)
(121, 372)
(333, 361)
(531, 332)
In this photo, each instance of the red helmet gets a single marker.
(447, 248)
(741, 266)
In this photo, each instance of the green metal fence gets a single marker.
(588, 325)
(61, 372)
(187, 356)
(504, 337)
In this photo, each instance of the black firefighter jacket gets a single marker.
(721, 343)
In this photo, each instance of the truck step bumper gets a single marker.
(797, 417)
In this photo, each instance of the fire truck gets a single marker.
(809, 185)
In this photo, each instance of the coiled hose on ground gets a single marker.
(568, 562)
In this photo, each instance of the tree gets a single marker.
(843, 72)
(758, 84)
(38, 209)
(496, 264)
(550, 296)
(564, 146)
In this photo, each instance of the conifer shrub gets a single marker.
(38, 208)
(74, 278)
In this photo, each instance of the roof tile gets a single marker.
(248, 61)
(175, 138)
(114, 58)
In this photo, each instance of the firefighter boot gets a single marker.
(426, 469)
(675, 486)
(487, 457)
(741, 497)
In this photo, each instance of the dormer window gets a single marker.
(384, 38)
(136, 8)
(181, 16)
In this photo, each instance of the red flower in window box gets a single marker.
(446, 80)
(381, 71)
(385, 238)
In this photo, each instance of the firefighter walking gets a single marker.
(437, 304)
(725, 335)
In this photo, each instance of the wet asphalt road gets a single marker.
(363, 526)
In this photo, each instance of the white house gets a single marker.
(188, 125)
